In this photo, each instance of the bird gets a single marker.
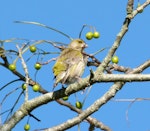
(71, 63)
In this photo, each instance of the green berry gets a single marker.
(89, 35)
(96, 34)
(12, 67)
(26, 127)
(78, 104)
(115, 59)
(24, 86)
(36, 88)
(65, 98)
(37, 66)
(32, 48)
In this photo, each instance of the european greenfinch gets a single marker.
(71, 63)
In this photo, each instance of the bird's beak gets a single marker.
(85, 46)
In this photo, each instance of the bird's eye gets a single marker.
(80, 41)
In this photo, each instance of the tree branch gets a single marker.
(90, 119)
(25, 109)
(130, 6)
(48, 97)
(122, 78)
(98, 103)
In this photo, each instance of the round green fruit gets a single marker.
(78, 104)
(37, 66)
(24, 86)
(12, 67)
(115, 59)
(65, 98)
(32, 48)
(96, 34)
(26, 127)
(89, 35)
(36, 88)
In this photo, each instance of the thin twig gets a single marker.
(11, 110)
(48, 27)
(9, 84)
(26, 72)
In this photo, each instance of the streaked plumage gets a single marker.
(71, 63)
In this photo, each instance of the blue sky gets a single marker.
(68, 17)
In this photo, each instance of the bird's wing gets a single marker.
(75, 65)
(72, 56)
(68, 58)
(69, 66)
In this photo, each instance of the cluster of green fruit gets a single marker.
(37, 66)
(33, 49)
(90, 35)
(35, 87)
(12, 67)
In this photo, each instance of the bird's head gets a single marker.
(77, 44)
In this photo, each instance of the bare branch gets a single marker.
(26, 72)
(130, 6)
(122, 78)
(25, 109)
(90, 119)
(135, 12)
